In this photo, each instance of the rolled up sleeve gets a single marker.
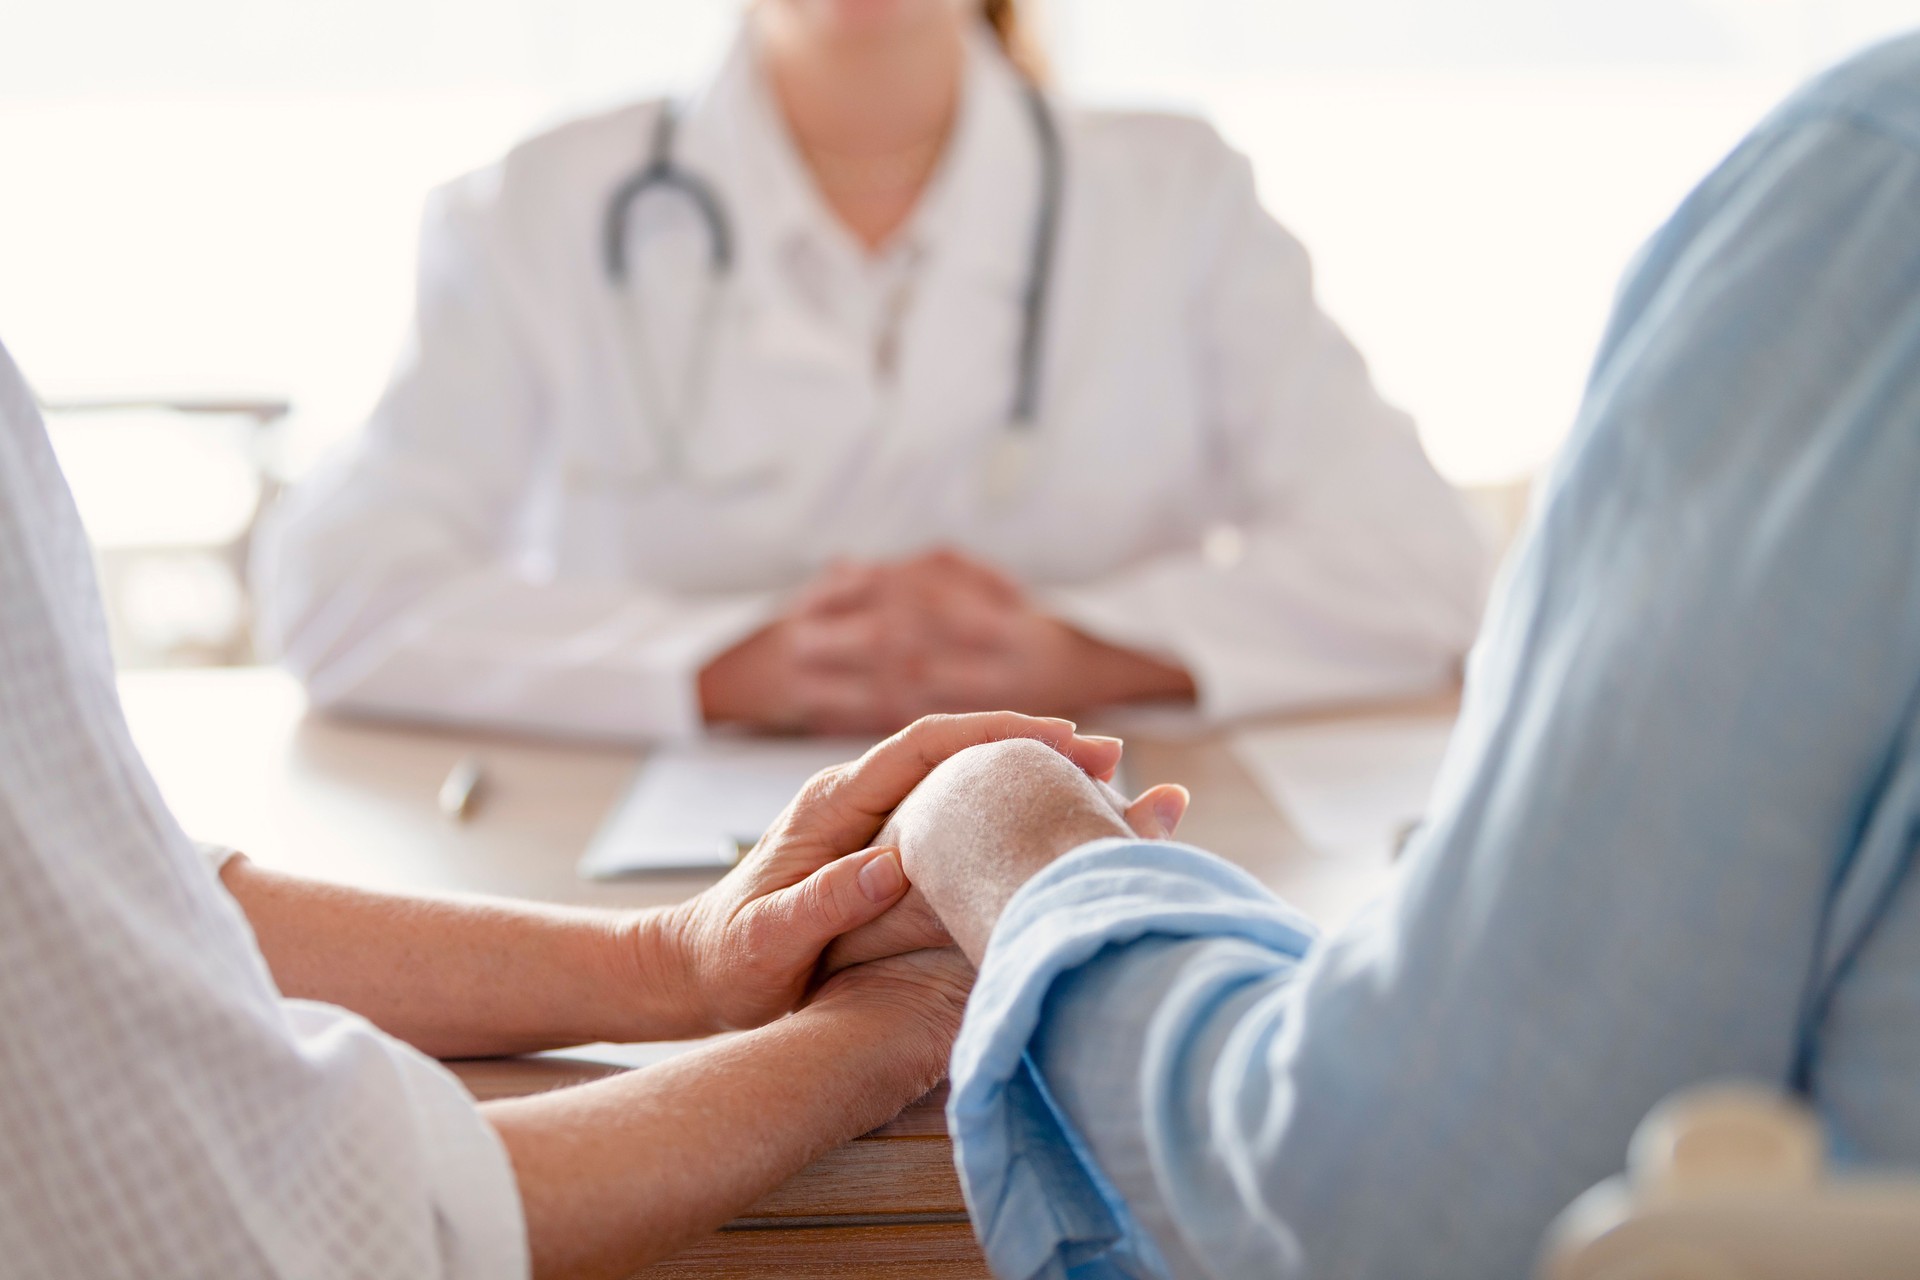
(1664, 848)
(1038, 1194)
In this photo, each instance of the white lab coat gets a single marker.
(501, 545)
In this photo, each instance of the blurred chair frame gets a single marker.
(263, 416)
(1732, 1182)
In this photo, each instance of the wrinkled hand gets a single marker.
(866, 648)
(977, 828)
(747, 948)
(920, 996)
(911, 925)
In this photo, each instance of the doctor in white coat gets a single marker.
(894, 386)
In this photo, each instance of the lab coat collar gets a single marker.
(974, 213)
(981, 206)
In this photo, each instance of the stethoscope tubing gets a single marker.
(1046, 237)
(662, 172)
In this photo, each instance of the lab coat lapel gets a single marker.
(774, 348)
(959, 341)
(892, 448)
(737, 132)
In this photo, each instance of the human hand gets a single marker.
(991, 645)
(829, 664)
(869, 647)
(918, 997)
(745, 950)
(977, 641)
(979, 827)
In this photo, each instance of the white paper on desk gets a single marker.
(1349, 786)
(688, 805)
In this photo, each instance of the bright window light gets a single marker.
(221, 196)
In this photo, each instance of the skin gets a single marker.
(865, 648)
(869, 90)
(981, 825)
(619, 1173)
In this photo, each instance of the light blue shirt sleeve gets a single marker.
(1671, 841)
(1052, 1200)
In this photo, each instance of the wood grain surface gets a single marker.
(242, 763)
(923, 1251)
(872, 1176)
(885, 1205)
(905, 1167)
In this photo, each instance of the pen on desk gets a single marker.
(461, 789)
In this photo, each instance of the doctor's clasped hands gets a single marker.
(656, 460)
(866, 647)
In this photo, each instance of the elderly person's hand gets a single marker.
(914, 1001)
(746, 950)
(978, 827)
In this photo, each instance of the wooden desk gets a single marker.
(241, 762)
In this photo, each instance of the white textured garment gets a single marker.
(520, 540)
(163, 1112)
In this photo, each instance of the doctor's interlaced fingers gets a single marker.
(869, 380)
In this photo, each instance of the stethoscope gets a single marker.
(1010, 457)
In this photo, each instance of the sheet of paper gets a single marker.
(1349, 786)
(692, 807)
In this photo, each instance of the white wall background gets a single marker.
(221, 195)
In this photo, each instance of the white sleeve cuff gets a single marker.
(482, 1224)
(435, 1141)
(216, 856)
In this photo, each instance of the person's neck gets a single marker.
(870, 116)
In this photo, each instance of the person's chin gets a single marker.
(857, 19)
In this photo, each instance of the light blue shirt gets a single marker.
(1670, 844)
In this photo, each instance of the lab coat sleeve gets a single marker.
(1349, 569)
(386, 581)
(1683, 793)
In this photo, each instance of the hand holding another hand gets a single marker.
(746, 950)
(914, 999)
(978, 827)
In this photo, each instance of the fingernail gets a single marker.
(882, 879)
(1068, 725)
(1096, 737)
(1171, 806)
